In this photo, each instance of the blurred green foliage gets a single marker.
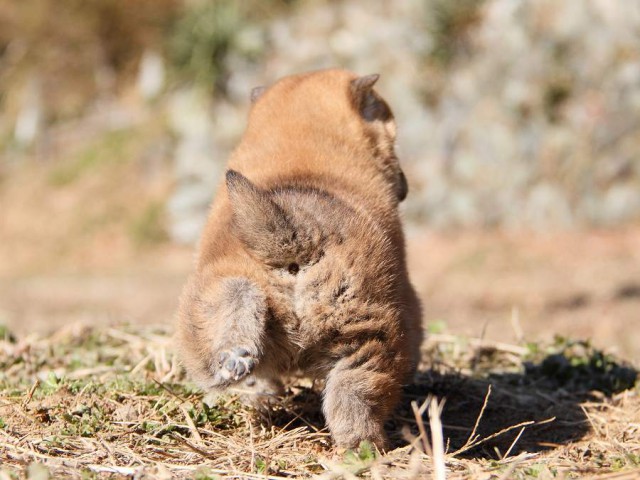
(206, 32)
(449, 23)
(201, 39)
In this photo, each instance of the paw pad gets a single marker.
(235, 364)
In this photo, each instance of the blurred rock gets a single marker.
(151, 75)
(621, 203)
(29, 120)
(195, 168)
(545, 206)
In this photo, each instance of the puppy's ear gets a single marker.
(369, 103)
(258, 221)
(362, 85)
(257, 92)
(402, 187)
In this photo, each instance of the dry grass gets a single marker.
(112, 403)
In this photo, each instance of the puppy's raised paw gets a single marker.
(234, 364)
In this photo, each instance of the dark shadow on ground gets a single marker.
(548, 392)
(543, 396)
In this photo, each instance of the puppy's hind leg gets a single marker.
(221, 331)
(358, 397)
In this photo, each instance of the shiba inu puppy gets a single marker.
(301, 267)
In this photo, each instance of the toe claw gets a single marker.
(241, 368)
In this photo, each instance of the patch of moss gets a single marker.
(578, 366)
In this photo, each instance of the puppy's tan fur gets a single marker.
(302, 263)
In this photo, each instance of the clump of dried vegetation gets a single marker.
(112, 403)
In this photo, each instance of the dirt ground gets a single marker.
(503, 287)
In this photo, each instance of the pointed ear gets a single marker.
(257, 92)
(258, 221)
(368, 103)
(363, 85)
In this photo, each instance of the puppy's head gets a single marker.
(338, 106)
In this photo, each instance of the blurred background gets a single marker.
(519, 132)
